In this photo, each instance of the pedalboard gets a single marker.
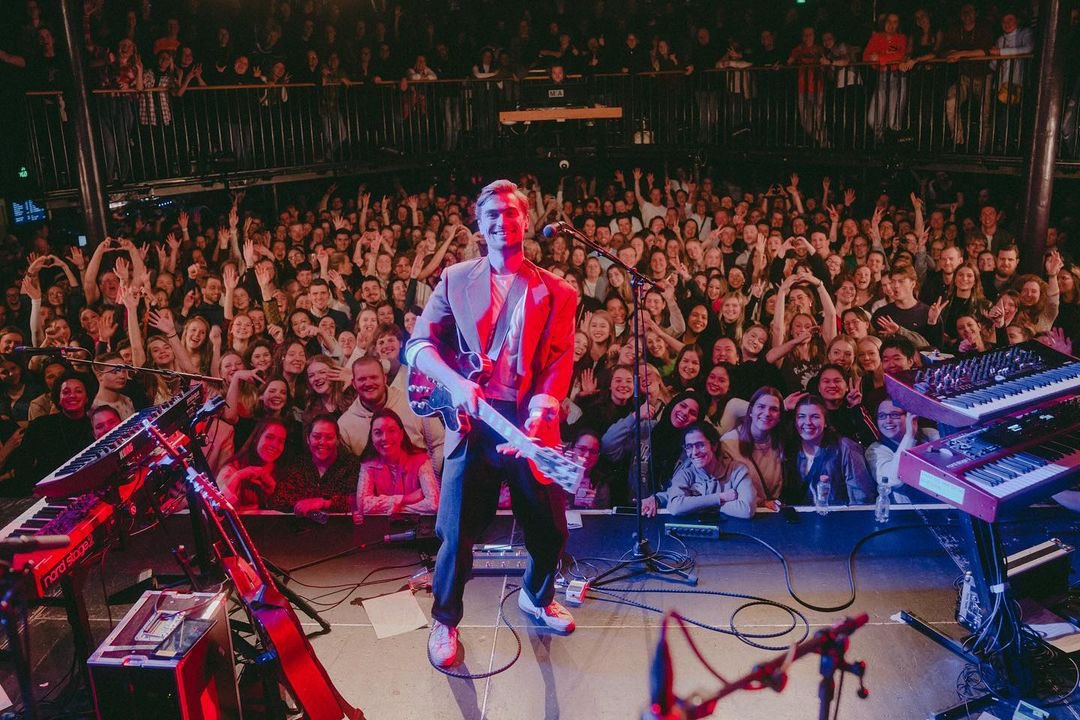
(499, 560)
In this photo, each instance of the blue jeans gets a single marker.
(471, 479)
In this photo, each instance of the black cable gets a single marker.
(505, 666)
(753, 601)
(850, 563)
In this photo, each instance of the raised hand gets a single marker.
(793, 399)
(834, 214)
(585, 320)
(107, 326)
(826, 183)
(588, 382)
(935, 311)
(263, 275)
(229, 278)
(636, 172)
(215, 336)
(276, 332)
(122, 268)
(30, 286)
(916, 203)
(887, 326)
(77, 258)
(1054, 263)
(162, 321)
(854, 396)
(182, 220)
(190, 298)
(1056, 339)
(173, 242)
(249, 253)
(849, 197)
(129, 296)
(193, 271)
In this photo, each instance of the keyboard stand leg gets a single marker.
(71, 585)
(987, 556)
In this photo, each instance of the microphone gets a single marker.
(552, 229)
(29, 350)
(421, 532)
(30, 543)
(663, 704)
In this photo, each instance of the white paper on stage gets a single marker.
(394, 614)
(573, 519)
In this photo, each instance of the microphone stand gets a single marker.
(66, 353)
(642, 559)
(830, 643)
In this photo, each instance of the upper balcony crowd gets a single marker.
(950, 76)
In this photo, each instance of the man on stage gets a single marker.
(522, 318)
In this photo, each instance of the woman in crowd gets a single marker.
(52, 440)
(820, 453)
(722, 408)
(665, 449)
(843, 398)
(757, 442)
(323, 392)
(249, 479)
(687, 372)
(395, 476)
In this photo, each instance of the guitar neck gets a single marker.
(509, 432)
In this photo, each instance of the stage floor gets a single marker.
(601, 670)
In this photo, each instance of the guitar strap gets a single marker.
(497, 338)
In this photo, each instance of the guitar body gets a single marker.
(280, 630)
(427, 397)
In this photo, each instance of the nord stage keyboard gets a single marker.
(87, 519)
(1007, 463)
(114, 456)
(963, 391)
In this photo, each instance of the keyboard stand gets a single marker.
(987, 556)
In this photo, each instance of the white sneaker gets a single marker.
(554, 616)
(442, 645)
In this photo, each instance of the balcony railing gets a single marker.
(974, 110)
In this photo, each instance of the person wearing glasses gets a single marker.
(593, 491)
(898, 431)
(710, 481)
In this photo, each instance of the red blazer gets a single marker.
(461, 300)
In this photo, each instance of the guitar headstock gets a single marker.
(427, 397)
(557, 467)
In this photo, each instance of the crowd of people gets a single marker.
(775, 314)
(177, 46)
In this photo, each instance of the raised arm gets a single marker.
(129, 298)
(90, 288)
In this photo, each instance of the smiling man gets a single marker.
(522, 318)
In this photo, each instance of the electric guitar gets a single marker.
(427, 397)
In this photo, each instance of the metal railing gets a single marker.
(936, 110)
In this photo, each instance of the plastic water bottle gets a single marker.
(881, 509)
(821, 495)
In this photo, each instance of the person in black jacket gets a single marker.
(51, 440)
